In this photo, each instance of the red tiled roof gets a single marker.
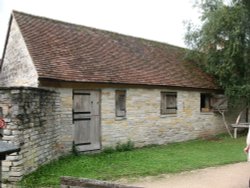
(69, 52)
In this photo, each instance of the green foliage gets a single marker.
(171, 158)
(120, 147)
(222, 44)
(128, 146)
(109, 150)
(74, 150)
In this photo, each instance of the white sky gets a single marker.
(160, 20)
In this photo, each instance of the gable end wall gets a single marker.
(17, 68)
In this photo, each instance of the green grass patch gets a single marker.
(146, 161)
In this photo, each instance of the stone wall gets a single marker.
(145, 125)
(17, 68)
(40, 122)
(67, 128)
(33, 124)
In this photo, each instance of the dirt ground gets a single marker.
(228, 176)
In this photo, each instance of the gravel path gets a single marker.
(228, 176)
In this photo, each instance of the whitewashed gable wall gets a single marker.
(18, 68)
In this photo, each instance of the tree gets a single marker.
(222, 45)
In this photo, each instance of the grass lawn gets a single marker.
(146, 161)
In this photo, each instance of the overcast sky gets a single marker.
(160, 20)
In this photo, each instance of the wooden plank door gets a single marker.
(86, 118)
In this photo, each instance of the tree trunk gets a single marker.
(225, 123)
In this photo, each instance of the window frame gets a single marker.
(206, 101)
(120, 109)
(166, 107)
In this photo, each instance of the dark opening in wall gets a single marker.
(205, 103)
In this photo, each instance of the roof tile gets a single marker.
(70, 52)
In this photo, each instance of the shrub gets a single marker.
(127, 146)
(108, 150)
(120, 147)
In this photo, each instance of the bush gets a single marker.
(128, 146)
(108, 150)
(120, 147)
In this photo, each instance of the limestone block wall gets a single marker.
(67, 128)
(17, 68)
(145, 125)
(33, 123)
(40, 122)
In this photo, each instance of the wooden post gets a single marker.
(235, 133)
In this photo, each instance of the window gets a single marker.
(120, 103)
(205, 104)
(168, 103)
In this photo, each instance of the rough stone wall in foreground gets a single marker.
(33, 124)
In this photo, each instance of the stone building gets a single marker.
(106, 88)
(112, 87)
